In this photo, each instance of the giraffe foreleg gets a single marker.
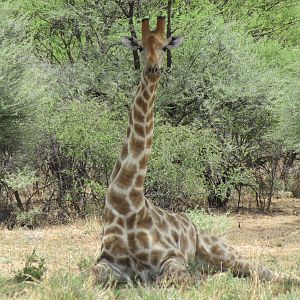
(104, 273)
(174, 271)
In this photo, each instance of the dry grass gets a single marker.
(62, 246)
(273, 240)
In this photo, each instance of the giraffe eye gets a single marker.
(140, 48)
(164, 48)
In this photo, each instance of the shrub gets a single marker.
(180, 155)
(34, 269)
(32, 218)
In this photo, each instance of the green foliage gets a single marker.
(74, 120)
(13, 109)
(216, 225)
(21, 179)
(34, 269)
(289, 115)
(265, 18)
(220, 83)
(66, 86)
(177, 164)
(32, 218)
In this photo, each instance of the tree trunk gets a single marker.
(169, 54)
(136, 59)
(18, 199)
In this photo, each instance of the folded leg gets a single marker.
(106, 273)
(174, 271)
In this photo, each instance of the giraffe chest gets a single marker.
(131, 256)
(138, 245)
(134, 253)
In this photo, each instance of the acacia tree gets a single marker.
(66, 86)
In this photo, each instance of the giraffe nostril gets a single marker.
(153, 69)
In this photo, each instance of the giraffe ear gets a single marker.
(130, 42)
(174, 42)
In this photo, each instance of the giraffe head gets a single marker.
(153, 45)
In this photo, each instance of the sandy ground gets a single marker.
(265, 237)
(277, 233)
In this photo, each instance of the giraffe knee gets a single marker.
(102, 273)
(174, 271)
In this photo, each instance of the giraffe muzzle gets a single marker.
(154, 70)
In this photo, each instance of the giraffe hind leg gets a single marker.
(213, 250)
(219, 257)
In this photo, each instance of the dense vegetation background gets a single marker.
(227, 116)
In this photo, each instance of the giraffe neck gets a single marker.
(126, 191)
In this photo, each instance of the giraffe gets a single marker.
(141, 241)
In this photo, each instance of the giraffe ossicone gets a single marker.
(141, 241)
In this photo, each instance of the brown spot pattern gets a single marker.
(128, 131)
(143, 256)
(116, 169)
(144, 220)
(149, 128)
(139, 129)
(136, 197)
(120, 222)
(125, 176)
(139, 182)
(124, 261)
(155, 257)
(130, 118)
(149, 117)
(130, 221)
(142, 238)
(107, 256)
(119, 248)
(172, 220)
(124, 152)
(144, 161)
(146, 95)
(118, 202)
(152, 101)
(142, 104)
(132, 242)
(149, 142)
(136, 146)
(108, 216)
(153, 87)
(109, 241)
(113, 230)
(137, 115)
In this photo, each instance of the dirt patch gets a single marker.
(276, 234)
